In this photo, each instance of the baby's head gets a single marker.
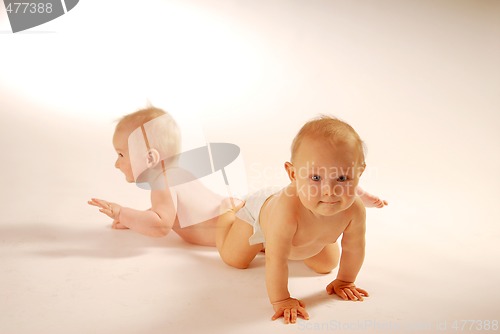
(326, 163)
(143, 139)
(330, 130)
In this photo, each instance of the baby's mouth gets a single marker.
(329, 202)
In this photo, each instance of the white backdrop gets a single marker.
(419, 80)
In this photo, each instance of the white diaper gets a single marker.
(251, 211)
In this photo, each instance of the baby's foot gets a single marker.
(371, 201)
(232, 205)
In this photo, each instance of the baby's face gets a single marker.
(326, 175)
(120, 142)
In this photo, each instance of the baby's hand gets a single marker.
(118, 226)
(346, 290)
(289, 309)
(110, 209)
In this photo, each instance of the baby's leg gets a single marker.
(326, 260)
(232, 241)
(369, 200)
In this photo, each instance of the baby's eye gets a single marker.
(316, 178)
(342, 178)
(120, 155)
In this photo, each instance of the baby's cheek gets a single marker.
(309, 190)
(348, 189)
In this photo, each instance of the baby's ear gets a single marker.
(361, 169)
(290, 171)
(153, 158)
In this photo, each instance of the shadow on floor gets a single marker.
(63, 241)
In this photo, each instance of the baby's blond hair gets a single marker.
(163, 135)
(328, 128)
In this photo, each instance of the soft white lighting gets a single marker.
(96, 65)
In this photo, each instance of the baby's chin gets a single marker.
(331, 208)
(329, 211)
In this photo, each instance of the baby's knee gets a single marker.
(323, 268)
(322, 264)
(235, 262)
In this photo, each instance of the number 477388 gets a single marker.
(29, 7)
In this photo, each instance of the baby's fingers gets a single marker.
(340, 292)
(358, 295)
(98, 202)
(303, 312)
(363, 292)
(286, 316)
(294, 312)
(354, 294)
(278, 314)
(107, 212)
(92, 202)
(291, 315)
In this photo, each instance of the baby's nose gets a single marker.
(327, 188)
(331, 189)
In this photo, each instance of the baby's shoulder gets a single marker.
(280, 206)
(287, 199)
(358, 206)
(356, 212)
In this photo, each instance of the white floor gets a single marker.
(82, 277)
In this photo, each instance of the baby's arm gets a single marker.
(278, 244)
(351, 259)
(155, 222)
